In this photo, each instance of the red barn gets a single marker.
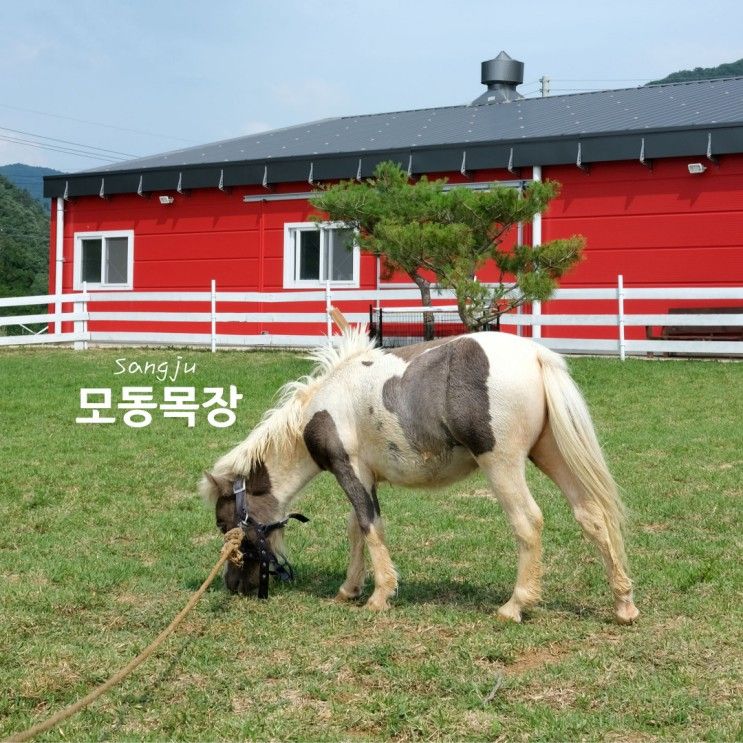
(651, 176)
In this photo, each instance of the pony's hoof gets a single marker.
(345, 594)
(626, 613)
(509, 613)
(377, 603)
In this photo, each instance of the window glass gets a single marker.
(91, 261)
(117, 260)
(309, 255)
(341, 250)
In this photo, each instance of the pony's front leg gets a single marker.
(358, 484)
(385, 575)
(356, 573)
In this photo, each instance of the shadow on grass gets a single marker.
(473, 596)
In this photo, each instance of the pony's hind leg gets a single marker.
(592, 518)
(356, 573)
(508, 480)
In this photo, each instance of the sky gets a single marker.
(84, 83)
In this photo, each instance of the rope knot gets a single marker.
(232, 541)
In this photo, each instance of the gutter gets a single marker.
(579, 148)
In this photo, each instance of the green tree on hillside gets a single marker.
(24, 246)
(425, 231)
(729, 69)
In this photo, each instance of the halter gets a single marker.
(260, 551)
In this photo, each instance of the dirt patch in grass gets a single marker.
(477, 493)
(275, 690)
(561, 696)
(538, 658)
(653, 528)
(52, 678)
(201, 539)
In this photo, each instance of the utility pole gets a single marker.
(545, 81)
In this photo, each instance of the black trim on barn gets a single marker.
(429, 160)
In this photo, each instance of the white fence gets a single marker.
(612, 326)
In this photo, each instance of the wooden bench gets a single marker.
(698, 332)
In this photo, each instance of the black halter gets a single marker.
(260, 551)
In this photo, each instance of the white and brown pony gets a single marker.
(423, 416)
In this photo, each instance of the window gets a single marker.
(104, 260)
(317, 253)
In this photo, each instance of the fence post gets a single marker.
(620, 316)
(328, 309)
(86, 319)
(214, 315)
(81, 326)
(519, 327)
(536, 311)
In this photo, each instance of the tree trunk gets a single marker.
(425, 289)
(464, 316)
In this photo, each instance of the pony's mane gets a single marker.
(281, 425)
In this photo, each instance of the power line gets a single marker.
(98, 123)
(602, 80)
(67, 141)
(65, 150)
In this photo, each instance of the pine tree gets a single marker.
(425, 231)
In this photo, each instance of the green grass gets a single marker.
(103, 540)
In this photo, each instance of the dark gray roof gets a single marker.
(677, 119)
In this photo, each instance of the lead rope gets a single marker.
(231, 552)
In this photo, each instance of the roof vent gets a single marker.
(501, 75)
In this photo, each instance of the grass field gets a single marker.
(103, 540)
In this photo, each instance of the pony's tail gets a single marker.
(576, 440)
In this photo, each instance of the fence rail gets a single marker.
(77, 318)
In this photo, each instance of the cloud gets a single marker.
(15, 153)
(22, 52)
(254, 127)
(312, 97)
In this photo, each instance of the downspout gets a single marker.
(59, 263)
(536, 239)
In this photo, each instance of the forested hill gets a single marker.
(29, 177)
(729, 69)
(24, 243)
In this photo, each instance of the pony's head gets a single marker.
(247, 502)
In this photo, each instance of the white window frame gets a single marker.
(77, 282)
(291, 229)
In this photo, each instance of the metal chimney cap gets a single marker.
(501, 74)
(502, 69)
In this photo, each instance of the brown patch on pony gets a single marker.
(326, 448)
(406, 353)
(441, 400)
(467, 404)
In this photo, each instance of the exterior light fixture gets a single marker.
(170, 199)
(696, 168)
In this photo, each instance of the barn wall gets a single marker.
(658, 227)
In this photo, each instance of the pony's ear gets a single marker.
(340, 319)
(221, 484)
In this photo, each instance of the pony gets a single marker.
(421, 416)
